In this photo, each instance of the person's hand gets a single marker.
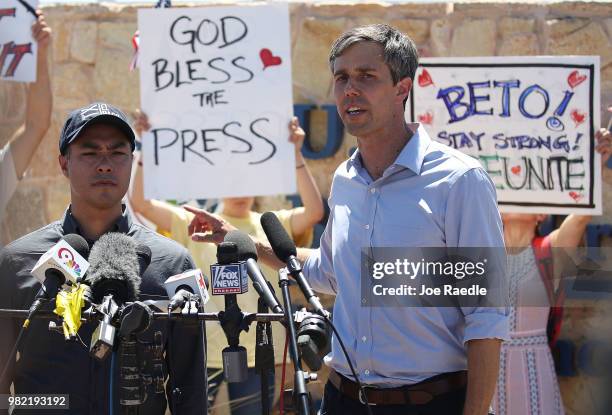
(41, 32)
(141, 122)
(207, 227)
(296, 134)
(603, 140)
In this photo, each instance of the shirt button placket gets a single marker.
(363, 348)
(363, 325)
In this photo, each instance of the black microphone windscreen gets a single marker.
(227, 252)
(78, 243)
(245, 246)
(279, 239)
(114, 268)
(144, 257)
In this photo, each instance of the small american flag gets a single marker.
(161, 4)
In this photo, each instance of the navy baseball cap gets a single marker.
(96, 113)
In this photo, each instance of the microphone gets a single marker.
(144, 254)
(313, 338)
(182, 288)
(228, 278)
(114, 277)
(246, 251)
(285, 250)
(70, 303)
(65, 261)
(228, 275)
(115, 268)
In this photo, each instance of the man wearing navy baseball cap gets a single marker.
(96, 113)
(97, 143)
(96, 146)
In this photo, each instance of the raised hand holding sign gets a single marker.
(531, 121)
(216, 86)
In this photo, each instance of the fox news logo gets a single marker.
(228, 279)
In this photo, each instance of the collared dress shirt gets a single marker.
(431, 196)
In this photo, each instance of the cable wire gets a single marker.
(348, 359)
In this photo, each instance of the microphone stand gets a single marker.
(136, 317)
(130, 382)
(264, 356)
(301, 378)
(233, 322)
(238, 324)
(91, 315)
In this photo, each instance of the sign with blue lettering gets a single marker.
(229, 279)
(531, 122)
(215, 83)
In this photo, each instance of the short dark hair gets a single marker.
(399, 51)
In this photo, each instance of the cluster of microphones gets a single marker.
(104, 282)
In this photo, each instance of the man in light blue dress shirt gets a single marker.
(399, 189)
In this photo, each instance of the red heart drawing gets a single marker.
(574, 79)
(576, 196)
(426, 118)
(425, 79)
(578, 117)
(516, 170)
(268, 59)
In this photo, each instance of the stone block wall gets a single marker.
(92, 50)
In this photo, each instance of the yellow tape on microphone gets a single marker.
(68, 305)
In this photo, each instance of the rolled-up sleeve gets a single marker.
(486, 323)
(319, 268)
(473, 220)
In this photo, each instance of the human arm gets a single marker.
(473, 220)
(210, 228)
(38, 103)
(306, 216)
(569, 234)
(157, 211)
(483, 369)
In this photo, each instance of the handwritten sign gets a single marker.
(529, 120)
(17, 48)
(216, 85)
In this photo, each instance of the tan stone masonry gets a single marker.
(92, 50)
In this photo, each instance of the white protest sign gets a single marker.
(215, 83)
(17, 48)
(531, 122)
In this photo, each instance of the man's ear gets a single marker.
(403, 88)
(63, 162)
